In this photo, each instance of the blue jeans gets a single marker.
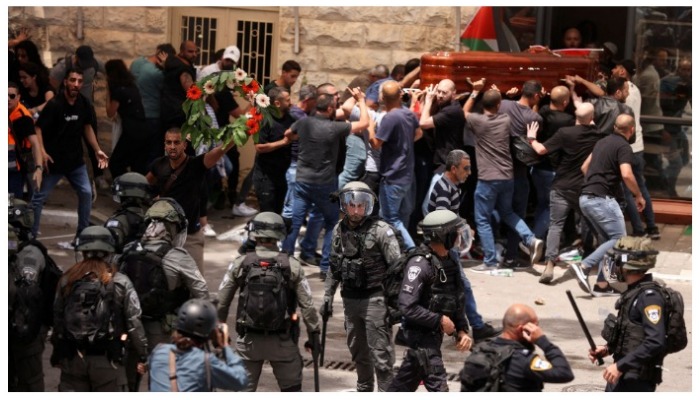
(521, 194)
(473, 316)
(490, 195)
(631, 207)
(605, 216)
(542, 179)
(307, 195)
(78, 179)
(314, 225)
(355, 157)
(395, 207)
(291, 176)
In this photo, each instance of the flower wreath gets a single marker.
(198, 123)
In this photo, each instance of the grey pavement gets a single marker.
(493, 294)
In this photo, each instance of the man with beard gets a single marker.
(65, 120)
(227, 62)
(179, 176)
(180, 74)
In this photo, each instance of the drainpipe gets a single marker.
(458, 28)
(296, 30)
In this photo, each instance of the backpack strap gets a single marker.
(207, 369)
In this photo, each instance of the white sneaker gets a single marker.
(242, 210)
(208, 231)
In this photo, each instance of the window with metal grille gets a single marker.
(254, 39)
(202, 31)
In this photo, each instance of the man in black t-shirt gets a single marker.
(273, 156)
(608, 165)
(572, 145)
(179, 176)
(179, 72)
(65, 120)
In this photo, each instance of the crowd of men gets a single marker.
(392, 175)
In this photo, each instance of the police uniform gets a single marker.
(359, 260)
(279, 348)
(126, 225)
(431, 288)
(638, 351)
(527, 371)
(26, 366)
(181, 274)
(91, 369)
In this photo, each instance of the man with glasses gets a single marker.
(65, 120)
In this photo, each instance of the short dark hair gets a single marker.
(276, 92)
(323, 101)
(13, 85)
(74, 69)
(307, 92)
(491, 99)
(291, 65)
(412, 64)
(166, 48)
(615, 84)
(531, 88)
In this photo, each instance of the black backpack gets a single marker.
(394, 279)
(522, 150)
(265, 300)
(485, 367)
(32, 302)
(676, 332)
(145, 270)
(90, 312)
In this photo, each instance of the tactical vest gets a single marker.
(127, 225)
(145, 270)
(629, 335)
(267, 300)
(360, 266)
(447, 290)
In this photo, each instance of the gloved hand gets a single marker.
(313, 345)
(327, 307)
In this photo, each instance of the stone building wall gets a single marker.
(336, 43)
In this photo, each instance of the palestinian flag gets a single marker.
(480, 34)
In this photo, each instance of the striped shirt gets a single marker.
(445, 196)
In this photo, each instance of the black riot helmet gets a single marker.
(196, 318)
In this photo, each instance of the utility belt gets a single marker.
(352, 293)
(291, 331)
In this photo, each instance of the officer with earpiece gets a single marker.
(432, 303)
(131, 191)
(163, 273)
(362, 248)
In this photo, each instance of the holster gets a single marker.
(611, 333)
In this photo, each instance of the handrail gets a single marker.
(660, 119)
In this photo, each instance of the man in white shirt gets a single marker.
(227, 62)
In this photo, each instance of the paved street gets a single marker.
(493, 294)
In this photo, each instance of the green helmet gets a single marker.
(131, 185)
(95, 238)
(20, 214)
(634, 253)
(357, 194)
(167, 209)
(445, 227)
(268, 225)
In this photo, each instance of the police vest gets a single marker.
(360, 266)
(267, 300)
(127, 225)
(447, 291)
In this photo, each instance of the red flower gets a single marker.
(194, 92)
(252, 88)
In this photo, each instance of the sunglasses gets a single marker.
(12, 95)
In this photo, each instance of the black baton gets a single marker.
(583, 325)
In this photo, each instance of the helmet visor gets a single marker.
(464, 239)
(355, 203)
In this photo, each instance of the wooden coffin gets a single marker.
(505, 70)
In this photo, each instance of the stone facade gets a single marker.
(336, 43)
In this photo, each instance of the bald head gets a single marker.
(445, 91)
(517, 315)
(584, 113)
(624, 124)
(391, 92)
(560, 96)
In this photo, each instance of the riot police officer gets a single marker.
(163, 273)
(636, 338)
(432, 303)
(95, 309)
(131, 191)
(362, 248)
(187, 364)
(271, 285)
(32, 285)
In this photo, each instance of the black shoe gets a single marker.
(607, 291)
(653, 233)
(485, 332)
(513, 264)
(312, 260)
(323, 275)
